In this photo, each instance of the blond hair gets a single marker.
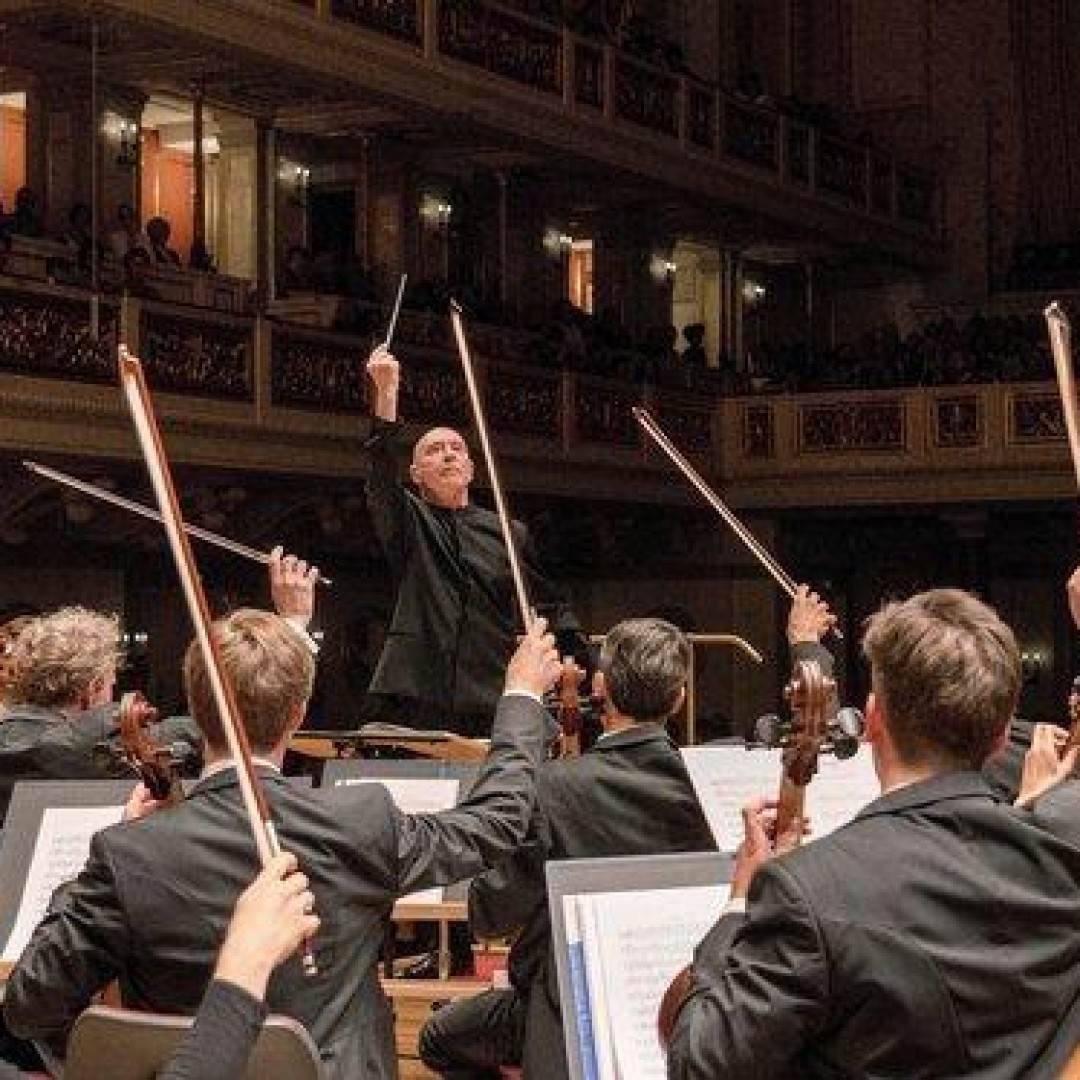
(947, 670)
(270, 669)
(56, 658)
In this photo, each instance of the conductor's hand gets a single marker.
(385, 373)
(535, 666)
(292, 587)
(1044, 767)
(272, 918)
(810, 617)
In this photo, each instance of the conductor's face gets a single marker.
(442, 469)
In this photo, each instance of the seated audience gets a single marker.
(629, 795)
(150, 907)
(127, 237)
(938, 933)
(158, 232)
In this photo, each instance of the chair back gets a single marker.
(122, 1044)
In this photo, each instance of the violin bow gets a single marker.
(1057, 324)
(137, 395)
(524, 606)
(100, 493)
(782, 578)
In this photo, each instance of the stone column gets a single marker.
(236, 243)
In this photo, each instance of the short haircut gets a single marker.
(270, 669)
(56, 658)
(645, 662)
(948, 672)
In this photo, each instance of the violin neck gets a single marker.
(791, 805)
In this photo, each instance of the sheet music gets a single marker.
(63, 843)
(726, 777)
(417, 795)
(643, 939)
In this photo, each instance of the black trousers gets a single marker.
(471, 1038)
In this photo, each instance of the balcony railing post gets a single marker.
(322, 9)
(262, 346)
(609, 83)
(429, 27)
(569, 69)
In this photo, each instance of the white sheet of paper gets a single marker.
(63, 843)
(644, 939)
(418, 795)
(726, 777)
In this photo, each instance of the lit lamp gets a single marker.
(297, 178)
(1032, 663)
(753, 292)
(662, 269)
(435, 211)
(125, 133)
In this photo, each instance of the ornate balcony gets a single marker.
(244, 391)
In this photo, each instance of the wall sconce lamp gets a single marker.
(557, 243)
(753, 292)
(435, 211)
(297, 179)
(662, 269)
(125, 133)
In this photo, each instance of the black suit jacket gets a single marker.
(151, 906)
(936, 935)
(454, 623)
(629, 795)
(44, 744)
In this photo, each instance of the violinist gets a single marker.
(454, 624)
(935, 935)
(151, 905)
(628, 794)
(60, 707)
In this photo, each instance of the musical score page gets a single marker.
(63, 843)
(727, 777)
(641, 940)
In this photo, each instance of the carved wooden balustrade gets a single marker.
(272, 386)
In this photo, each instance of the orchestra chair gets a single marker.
(126, 1045)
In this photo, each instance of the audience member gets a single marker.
(158, 232)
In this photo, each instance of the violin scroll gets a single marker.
(157, 766)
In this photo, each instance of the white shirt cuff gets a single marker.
(517, 691)
(735, 906)
(301, 629)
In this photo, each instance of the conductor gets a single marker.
(453, 625)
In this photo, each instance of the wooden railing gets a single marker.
(591, 77)
(265, 375)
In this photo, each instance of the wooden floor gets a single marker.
(413, 1001)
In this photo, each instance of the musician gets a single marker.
(935, 935)
(150, 907)
(453, 624)
(629, 795)
(61, 721)
(60, 718)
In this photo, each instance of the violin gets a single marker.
(569, 708)
(157, 766)
(816, 725)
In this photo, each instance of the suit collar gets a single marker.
(226, 778)
(953, 785)
(635, 735)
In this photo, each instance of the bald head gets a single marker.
(442, 468)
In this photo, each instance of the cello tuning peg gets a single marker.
(770, 730)
(850, 722)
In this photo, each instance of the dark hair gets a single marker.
(948, 672)
(644, 662)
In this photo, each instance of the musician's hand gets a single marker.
(809, 619)
(272, 918)
(535, 666)
(292, 587)
(141, 803)
(1072, 591)
(1044, 767)
(385, 372)
(760, 842)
